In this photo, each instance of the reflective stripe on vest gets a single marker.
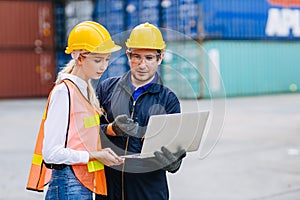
(37, 159)
(83, 134)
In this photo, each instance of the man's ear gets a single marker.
(127, 52)
(161, 58)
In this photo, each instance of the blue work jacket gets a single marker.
(138, 178)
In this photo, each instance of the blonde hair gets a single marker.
(90, 90)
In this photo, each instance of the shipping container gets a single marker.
(181, 69)
(182, 16)
(26, 73)
(77, 11)
(251, 67)
(132, 9)
(27, 48)
(150, 12)
(61, 60)
(26, 25)
(118, 66)
(110, 13)
(141, 11)
(250, 19)
(59, 17)
(67, 15)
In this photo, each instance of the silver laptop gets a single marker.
(174, 131)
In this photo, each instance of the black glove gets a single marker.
(169, 161)
(123, 125)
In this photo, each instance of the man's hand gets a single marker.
(123, 125)
(169, 161)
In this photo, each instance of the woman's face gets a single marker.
(93, 65)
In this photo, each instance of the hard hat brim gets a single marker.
(98, 49)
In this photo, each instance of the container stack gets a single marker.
(181, 68)
(26, 48)
(111, 13)
(60, 35)
(119, 17)
(247, 46)
(179, 20)
(77, 11)
(254, 45)
(141, 11)
(181, 16)
(68, 14)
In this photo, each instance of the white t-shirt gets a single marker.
(56, 123)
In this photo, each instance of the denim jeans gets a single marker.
(65, 186)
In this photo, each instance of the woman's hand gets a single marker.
(106, 156)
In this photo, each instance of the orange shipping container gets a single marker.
(26, 24)
(27, 59)
(26, 73)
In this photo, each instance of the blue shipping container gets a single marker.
(181, 16)
(110, 14)
(59, 17)
(141, 11)
(131, 13)
(61, 60)
(118, 66)
(250, 19)
(150, 11)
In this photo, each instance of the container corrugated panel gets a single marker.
(61, 60)
(60, 40)
(26, 73)
(26, 24)
(110, 14)
(250, 19)
(182, 16)
(118, 66)
(252, 68)
(181, 69)
(77, 11)
(141, 11)
(150, 12)
(169, 15)
(132, 9)
(189, 18)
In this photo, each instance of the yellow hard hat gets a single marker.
(146, 36)
(92, 37)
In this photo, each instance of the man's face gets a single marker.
(143, 65)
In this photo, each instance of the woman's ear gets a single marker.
(80, 59)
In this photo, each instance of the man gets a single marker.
(130, 100)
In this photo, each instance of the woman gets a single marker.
(68, 144)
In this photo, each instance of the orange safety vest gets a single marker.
(83, 134)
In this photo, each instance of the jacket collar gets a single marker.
(154, 88)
